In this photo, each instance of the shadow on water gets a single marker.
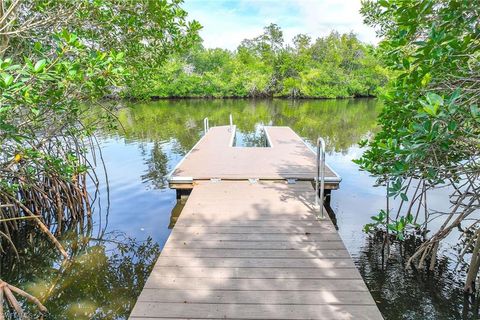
(332, 215)
(177, 210)
(109, 271)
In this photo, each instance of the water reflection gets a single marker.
(414, 294)
(109, 273)
(102, 282)
(175, 214)
(342, 122)
(157, 166)
(255, 139)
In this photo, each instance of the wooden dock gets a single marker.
(215, 157)
(244, 248)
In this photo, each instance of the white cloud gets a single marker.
(224, 29)
(226, 22)
(320, 17)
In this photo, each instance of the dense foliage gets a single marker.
(430, 134)
(338, 65)
(57, 59)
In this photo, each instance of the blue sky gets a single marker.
(227, 22)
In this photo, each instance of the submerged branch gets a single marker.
(7, 291)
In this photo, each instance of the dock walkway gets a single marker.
(253, 249)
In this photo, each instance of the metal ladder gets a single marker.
(206, 126)
(320, 178)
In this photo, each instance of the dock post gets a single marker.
(328, 197)
(183, 193)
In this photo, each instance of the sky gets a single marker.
(227, 22)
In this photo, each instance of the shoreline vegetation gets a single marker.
(335, 66)
(57, 60)
(429, 132)
(157, 98)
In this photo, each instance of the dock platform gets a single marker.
(216, 157)
(246, 248)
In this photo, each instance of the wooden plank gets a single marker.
(189, 186)
(222, 216)
(257, 297)
(320, 229)
(254, 253)
(271, 245)
(160, 282)
(192, 222)
(241, 311)
(184, 236)
(257, 273)
(256, 262)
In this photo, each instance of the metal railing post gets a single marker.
(206, 126)
(320, 179)
(231, 122)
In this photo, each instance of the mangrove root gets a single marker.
(7, 290)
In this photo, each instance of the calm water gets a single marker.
(132, 225)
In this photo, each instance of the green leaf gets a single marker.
(409, 218)
(4, 109)
(452, 125)
(392, 227)
(72, 39)
(430, 107)
(475, 110)
(7, 79)
(40, 66)
(454, 96)
(434, 99)
(426, 79)
(384, 3)
(38, 46)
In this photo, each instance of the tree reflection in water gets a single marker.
(103, 280)
(414, 294)
(173, 127)
(109, 270)
(157, 167)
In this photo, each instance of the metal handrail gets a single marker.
(206, 126)
(231, 122)
(319, 192)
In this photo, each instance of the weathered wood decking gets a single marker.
(253, 250)
(214, 156)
